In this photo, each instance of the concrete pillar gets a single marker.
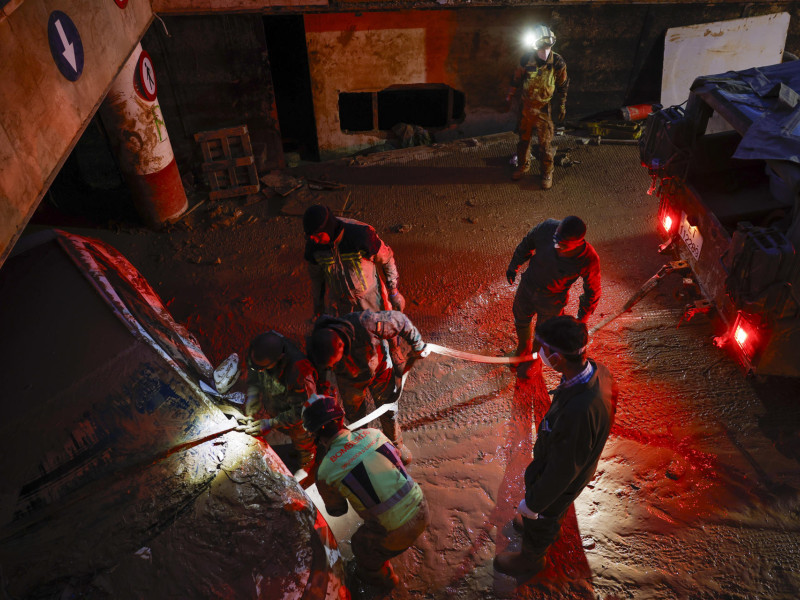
(135, 126)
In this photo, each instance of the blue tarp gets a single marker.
(766, 102)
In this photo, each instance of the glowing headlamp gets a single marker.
(530, 39)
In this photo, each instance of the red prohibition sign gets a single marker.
(146, 77)
(121, 3)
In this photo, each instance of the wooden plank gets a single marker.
(235, 191)
(242, 161)
(203, 136)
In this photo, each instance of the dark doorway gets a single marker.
(288, 60)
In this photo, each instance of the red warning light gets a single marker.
(667, 222)
(740, 335)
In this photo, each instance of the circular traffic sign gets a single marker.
(65, 45)
(145, 82)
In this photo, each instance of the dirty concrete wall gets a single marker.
(43, 112)
(613, 53)
(214, 73)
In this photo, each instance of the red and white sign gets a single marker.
(145, 82)
(121, 3)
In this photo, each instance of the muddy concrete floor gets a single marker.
(696, 495)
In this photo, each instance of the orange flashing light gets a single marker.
(667, 223)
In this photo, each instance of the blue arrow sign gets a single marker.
(65, 45)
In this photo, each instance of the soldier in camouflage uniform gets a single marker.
(279, 380)
(540, 74)
(353, 346)
(348, 260)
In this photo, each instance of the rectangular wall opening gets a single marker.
(428, 105)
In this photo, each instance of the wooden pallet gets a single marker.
(228, 162)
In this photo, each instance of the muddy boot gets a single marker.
(520, 171)
(524, 158)
(547, 175)
(517, 564)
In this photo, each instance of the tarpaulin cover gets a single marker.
(762, 104)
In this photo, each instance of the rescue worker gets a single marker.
(354, 347)
(279, 381)
(364, 468)
(540, 73)
(570, 439)
(558, 255)
(348, 260)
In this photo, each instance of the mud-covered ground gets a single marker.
(696, 495)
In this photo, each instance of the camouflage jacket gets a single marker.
(364, 334)
(279, 393)
(540, 79)
(352, 269)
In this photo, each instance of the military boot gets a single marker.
(547, 175)
(517, 564)
(524, 158)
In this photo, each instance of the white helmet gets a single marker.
(540, 37)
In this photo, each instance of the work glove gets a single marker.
(421, 350)
(511, 275)
(525, 511)
(397, 301)
(254, 427)
(562, 113)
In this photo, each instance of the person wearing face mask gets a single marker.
(540, 74)
(279, 381)
(557, 254)
(569, 442)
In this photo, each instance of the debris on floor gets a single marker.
(411, 135)
(282, 183)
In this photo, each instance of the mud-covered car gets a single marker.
(122, 478)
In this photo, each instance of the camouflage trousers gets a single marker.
(536, 118)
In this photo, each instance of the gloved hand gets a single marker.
(397, 301)
(421, 350)
(311, 399)
(562, 113)
(525, 511)
(511, 275)
(254, 427)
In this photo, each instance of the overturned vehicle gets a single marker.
(122, 478)
(727, 172)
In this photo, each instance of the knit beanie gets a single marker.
(571, 228)
(318, 218)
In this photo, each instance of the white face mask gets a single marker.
(546, 359)
(543, 53)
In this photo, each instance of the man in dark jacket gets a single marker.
(348, 260)
(355, 348)
(558, 255)
(568, 445)
(279, 381)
